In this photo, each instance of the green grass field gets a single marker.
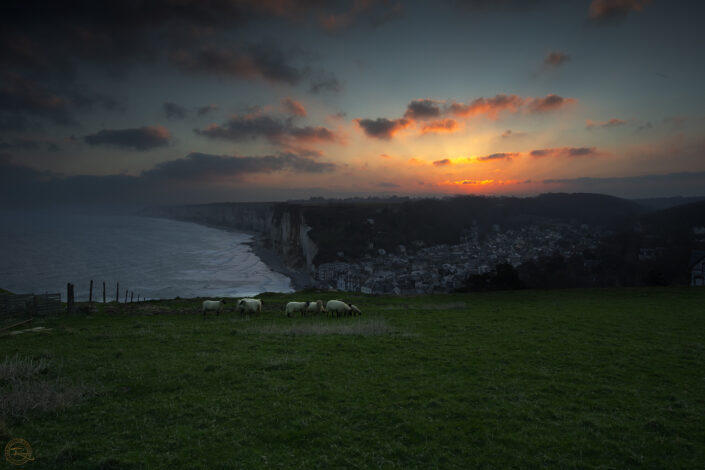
(604, 379)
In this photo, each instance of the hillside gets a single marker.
(353, 227)
(542, 379)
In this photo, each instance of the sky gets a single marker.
(192, 101)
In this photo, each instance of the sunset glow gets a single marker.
(301, 100)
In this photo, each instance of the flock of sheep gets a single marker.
(252, 306)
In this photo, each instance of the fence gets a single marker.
(38, 305)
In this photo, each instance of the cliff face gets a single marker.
(281, 225)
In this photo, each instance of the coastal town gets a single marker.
(419, 269)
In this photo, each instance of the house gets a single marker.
(697, 268)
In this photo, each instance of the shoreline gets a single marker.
(299, 279)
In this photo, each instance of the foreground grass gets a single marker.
(563, 379)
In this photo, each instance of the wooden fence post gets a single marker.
(117, 293)
(132, 296)
(69, 297)
(103, 291)
(90, 292)
(125, 295)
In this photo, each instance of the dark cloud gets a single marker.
(566, 152)
(22, 186)
(205, 166)
(12, 122)
(550, 102)
(555, 59)
(601, 10)
(26, 143)
(302, 151)
(278, 130)
(387, 184)
(444, 162)
(19, 144)
(510, 134)
(252, 61)
(382, 128)
(590, 125)
(324, 81)
(21, 99)
(25, 103)
(423, 109)
(49, 42)
(89, 101)
(143, 138)
(293, 107)
(371, 12)
(203, 110)
(478, 5)
(498, 156)
(582, 152)
(174, 111)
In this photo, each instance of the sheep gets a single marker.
(248, 305)
(315, 307)
(337, 307)
(354, 310)
(293, 307)
(216, 305)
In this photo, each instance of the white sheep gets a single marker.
(338, 307)
(248, 305)
(315, 307)
(354, 310)
(293, 307)
(216, 305)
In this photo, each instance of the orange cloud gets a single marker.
(605, 9)
(589, 125)
(486, 182)
(442, 125)
(555, 59)
(425, 109)
(490, 107)
(294, 108)
(549, 103)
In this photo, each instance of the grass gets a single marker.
(28, 385)
(610, 378)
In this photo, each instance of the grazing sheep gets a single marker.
(216, 305)
(338, 307)
(248, 305)
(354, 310)
(315, 307)
(293, 307)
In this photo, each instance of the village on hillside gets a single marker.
(420, 269)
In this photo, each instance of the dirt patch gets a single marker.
(366, 327)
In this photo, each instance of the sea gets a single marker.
(151, 258)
